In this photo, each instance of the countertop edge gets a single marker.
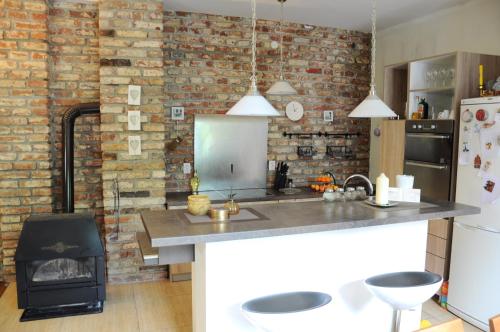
(294, 230)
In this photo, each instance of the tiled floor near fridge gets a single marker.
(432, 312)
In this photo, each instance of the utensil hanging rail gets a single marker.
(321, 134)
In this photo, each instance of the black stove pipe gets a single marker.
(68, 126)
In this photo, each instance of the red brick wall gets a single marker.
(49, 60)
(74, 79)
(25, 185)
(207, 63)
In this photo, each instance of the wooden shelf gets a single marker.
(449, 90)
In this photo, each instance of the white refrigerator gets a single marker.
(474, 283)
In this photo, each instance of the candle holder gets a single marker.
(482, 91)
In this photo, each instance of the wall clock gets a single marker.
(294, 111)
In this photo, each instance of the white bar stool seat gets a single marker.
(404, 290)
(289, 312)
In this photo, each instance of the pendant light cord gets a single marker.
(374, 46)
(281, 40)
(253, 86)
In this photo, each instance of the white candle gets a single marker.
(382, 195)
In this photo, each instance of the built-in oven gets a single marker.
(429, 157)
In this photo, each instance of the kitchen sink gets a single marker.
(217, 195)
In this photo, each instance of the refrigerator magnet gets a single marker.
(467, 116)
(477, 128)
(491, 192)
(484, 171)
(465, 155)
(482, 115)
(486, 167)
(487, 125)
(477, 162)
(489, 186)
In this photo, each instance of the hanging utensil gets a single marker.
(116, 207)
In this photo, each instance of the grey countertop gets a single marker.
(171, 228)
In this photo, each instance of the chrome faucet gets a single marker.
(354, 176)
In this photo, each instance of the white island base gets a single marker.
(229, 273)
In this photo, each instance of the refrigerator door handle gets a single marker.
(464, 226)
(488, 229)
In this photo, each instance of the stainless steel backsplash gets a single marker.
(221, 141)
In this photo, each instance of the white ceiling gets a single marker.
(347, 14)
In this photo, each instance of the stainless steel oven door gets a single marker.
(429, 148)
(432, 179)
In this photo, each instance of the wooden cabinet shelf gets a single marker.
(446, 90)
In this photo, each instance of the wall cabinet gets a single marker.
(392, 147)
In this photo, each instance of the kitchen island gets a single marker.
(313, 246)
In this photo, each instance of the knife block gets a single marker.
(280, 181)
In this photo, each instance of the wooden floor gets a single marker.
(146, 307)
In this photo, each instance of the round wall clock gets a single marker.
(294, 111)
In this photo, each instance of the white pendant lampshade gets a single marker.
(281, 87)
(373, 106)
(253, 104)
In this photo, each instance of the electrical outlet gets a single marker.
(134, 94)
(186, 168)
(134, 120)
(134, 145)
(272, 165)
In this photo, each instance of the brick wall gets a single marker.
(207, 63)
(130, 47)
(74, 79)
(25, 185)
(57, 53)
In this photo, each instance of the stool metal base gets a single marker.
(396, 320)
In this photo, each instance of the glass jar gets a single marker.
(350, 195)
(361, 193)
(329, 195)
(339, 195)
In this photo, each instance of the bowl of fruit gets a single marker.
(322, 183)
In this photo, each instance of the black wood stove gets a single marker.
(60, 267)
(60, 257)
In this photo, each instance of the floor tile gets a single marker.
(435, 314)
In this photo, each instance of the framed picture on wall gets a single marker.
(328, 116)
(177, 113)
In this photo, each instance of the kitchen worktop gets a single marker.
(170, 227)
(177, 200)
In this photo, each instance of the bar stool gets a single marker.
(403, 290)
(287, 312)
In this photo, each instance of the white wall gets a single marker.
(472, 27)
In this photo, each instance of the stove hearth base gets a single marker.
(31, 314)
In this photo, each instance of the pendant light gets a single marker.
(372, 106)
(253, 104)
(281, 87)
